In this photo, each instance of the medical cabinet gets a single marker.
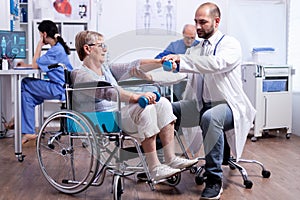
(270, 91)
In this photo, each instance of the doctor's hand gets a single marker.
(175, 59)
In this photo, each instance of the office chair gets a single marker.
(233, 164)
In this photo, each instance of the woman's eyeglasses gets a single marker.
(102, 45)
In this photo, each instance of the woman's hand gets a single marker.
(151, 97)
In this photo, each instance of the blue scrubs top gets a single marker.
(55, 54)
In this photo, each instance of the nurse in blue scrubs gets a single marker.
(34, 91)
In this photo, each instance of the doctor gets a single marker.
(214, 96)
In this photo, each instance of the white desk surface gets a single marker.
(19, 71)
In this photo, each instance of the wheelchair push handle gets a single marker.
(66, 73)
(56, 65)
(143, 101)
(168, 66)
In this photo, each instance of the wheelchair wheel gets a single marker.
(117, 187)
(174, 180)
(67, 164)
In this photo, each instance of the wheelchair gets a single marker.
(77, 146)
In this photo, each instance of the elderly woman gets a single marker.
(147, 123)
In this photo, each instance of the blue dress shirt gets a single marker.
(176, 47)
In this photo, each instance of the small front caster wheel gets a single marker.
(21, 158)
(174, 180)
(193, 170)
(248, 184)
(51, 146)
(266, 173)
(253, 139)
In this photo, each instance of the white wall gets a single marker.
(294, 60)
(259, 23)
(294, 41)
(5, 15)
(118, 23)
(252, 22)
(117, 18)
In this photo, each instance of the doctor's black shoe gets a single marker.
(212, 190)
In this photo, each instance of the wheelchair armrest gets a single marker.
(91, 84)
(134, 82)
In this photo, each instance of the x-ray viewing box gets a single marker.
(270, 91)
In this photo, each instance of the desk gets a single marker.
(17, 76)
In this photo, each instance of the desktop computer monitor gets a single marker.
(13, 44)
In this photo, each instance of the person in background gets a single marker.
(214, 96)
(179, 47)
(34, 91)
(146, 123)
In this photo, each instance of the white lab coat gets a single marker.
(225, 70)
